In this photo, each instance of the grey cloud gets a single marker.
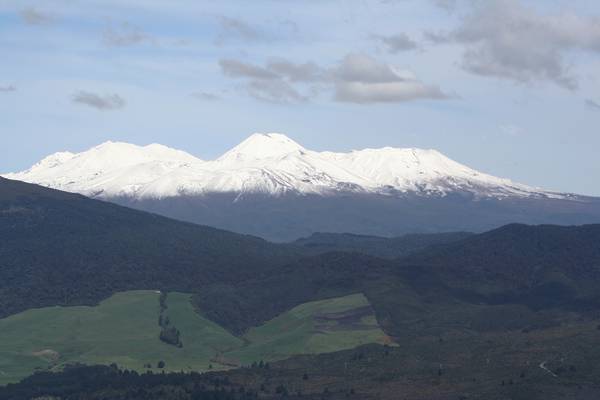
(239, 69)
(125, 35)
(33, 16)
(274, 91)
(306, 72)
(99, 102)
(506, 39)
(357, 78)
(397, 43)
(362, 68)
(235, 29)
(437, 37)
(272, 83)
(361, 79)
(389, 92)
(592, 104)
(8, 88)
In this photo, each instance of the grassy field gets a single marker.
(124, 329)
(314, 327)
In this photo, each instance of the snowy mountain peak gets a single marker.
(107, 170)
(271, 164)
(55, 159)
(262, 146)
(122, 153)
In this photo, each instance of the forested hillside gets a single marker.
(58, 248)
(383, 247)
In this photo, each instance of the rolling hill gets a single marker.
(540, 265)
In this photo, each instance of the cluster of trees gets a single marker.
(108, 382)
(168, 333)
(260, 365)
(171, 335)
(160, 364)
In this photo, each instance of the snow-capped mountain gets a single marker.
(271, 186)
(270, 164)
(110, 169)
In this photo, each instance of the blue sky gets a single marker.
(509, 87)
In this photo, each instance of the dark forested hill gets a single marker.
(378, 246)
(539, 265)
(58, 248)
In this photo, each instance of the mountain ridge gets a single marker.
(269, 163)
